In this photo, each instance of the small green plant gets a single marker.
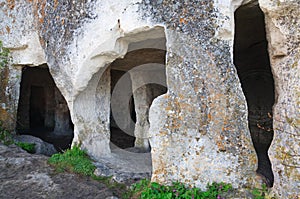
(77, 161)
(260, 193)
(4, 56)
(73, 160)
(5, 136)
(29, 147)
(146, 190)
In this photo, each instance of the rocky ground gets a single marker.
(24, 175)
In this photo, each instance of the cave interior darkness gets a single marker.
(251, 59)
(42, 110)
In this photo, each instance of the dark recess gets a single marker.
(119, 69)
(253, 66)
(42, 110)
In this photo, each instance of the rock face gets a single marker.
(282, 25)
(198, 130)
(24, 175)
(22, 39)
(41, 147)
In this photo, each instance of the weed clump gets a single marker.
(4, 56)
(29, 147)
(73, 160)
(6, 138)
(146, 189)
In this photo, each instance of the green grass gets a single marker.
(77, 161)
(146, 190)
(7, 139)
(29, 147)
(260, 193)
(73, 160)
(4, 56)
(5, 136)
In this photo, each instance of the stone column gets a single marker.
(91, 112)
(148, 82)
(142, 96)
(199, 130)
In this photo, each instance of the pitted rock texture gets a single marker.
(204, 109)
(59, 25)
(204, 106)
(9, 95)
(198, 129)
(282, 25)
(23, 175)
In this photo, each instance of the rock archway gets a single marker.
(114, 101)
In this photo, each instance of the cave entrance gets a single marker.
(42, 110)
(251, 59)
(136, 80)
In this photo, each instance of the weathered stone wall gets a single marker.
(198, 129)
(9, 95)
(282, 25)
(204, 108)
(19, 32)
(20, 36)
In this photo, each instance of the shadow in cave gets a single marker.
(128, 71)
(42, 110)
(118, 137)
(253, 66)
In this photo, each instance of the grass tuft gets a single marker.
(6, 138)
(73, 160)
(29, 147)
(146, 189)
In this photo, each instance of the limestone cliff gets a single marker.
(197, 122)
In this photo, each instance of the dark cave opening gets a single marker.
(42, 110)
(253, 66)
(117, 135)
(140, 96)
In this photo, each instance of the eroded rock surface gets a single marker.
(23, 175)
(41, 147)
(199, 129)
(282, 25)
